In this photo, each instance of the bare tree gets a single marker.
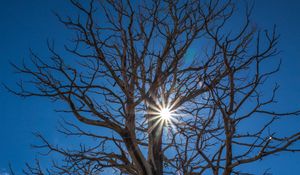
(126, 74)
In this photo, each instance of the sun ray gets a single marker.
(157, 122)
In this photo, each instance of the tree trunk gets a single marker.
(155, 147)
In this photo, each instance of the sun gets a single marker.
(165, 114)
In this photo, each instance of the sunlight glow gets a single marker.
(165, 114)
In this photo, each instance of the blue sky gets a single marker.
(28, 24)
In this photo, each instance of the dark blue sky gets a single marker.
(28, 24)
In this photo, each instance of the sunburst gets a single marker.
(164, 114)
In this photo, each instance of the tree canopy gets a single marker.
(128, 74)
